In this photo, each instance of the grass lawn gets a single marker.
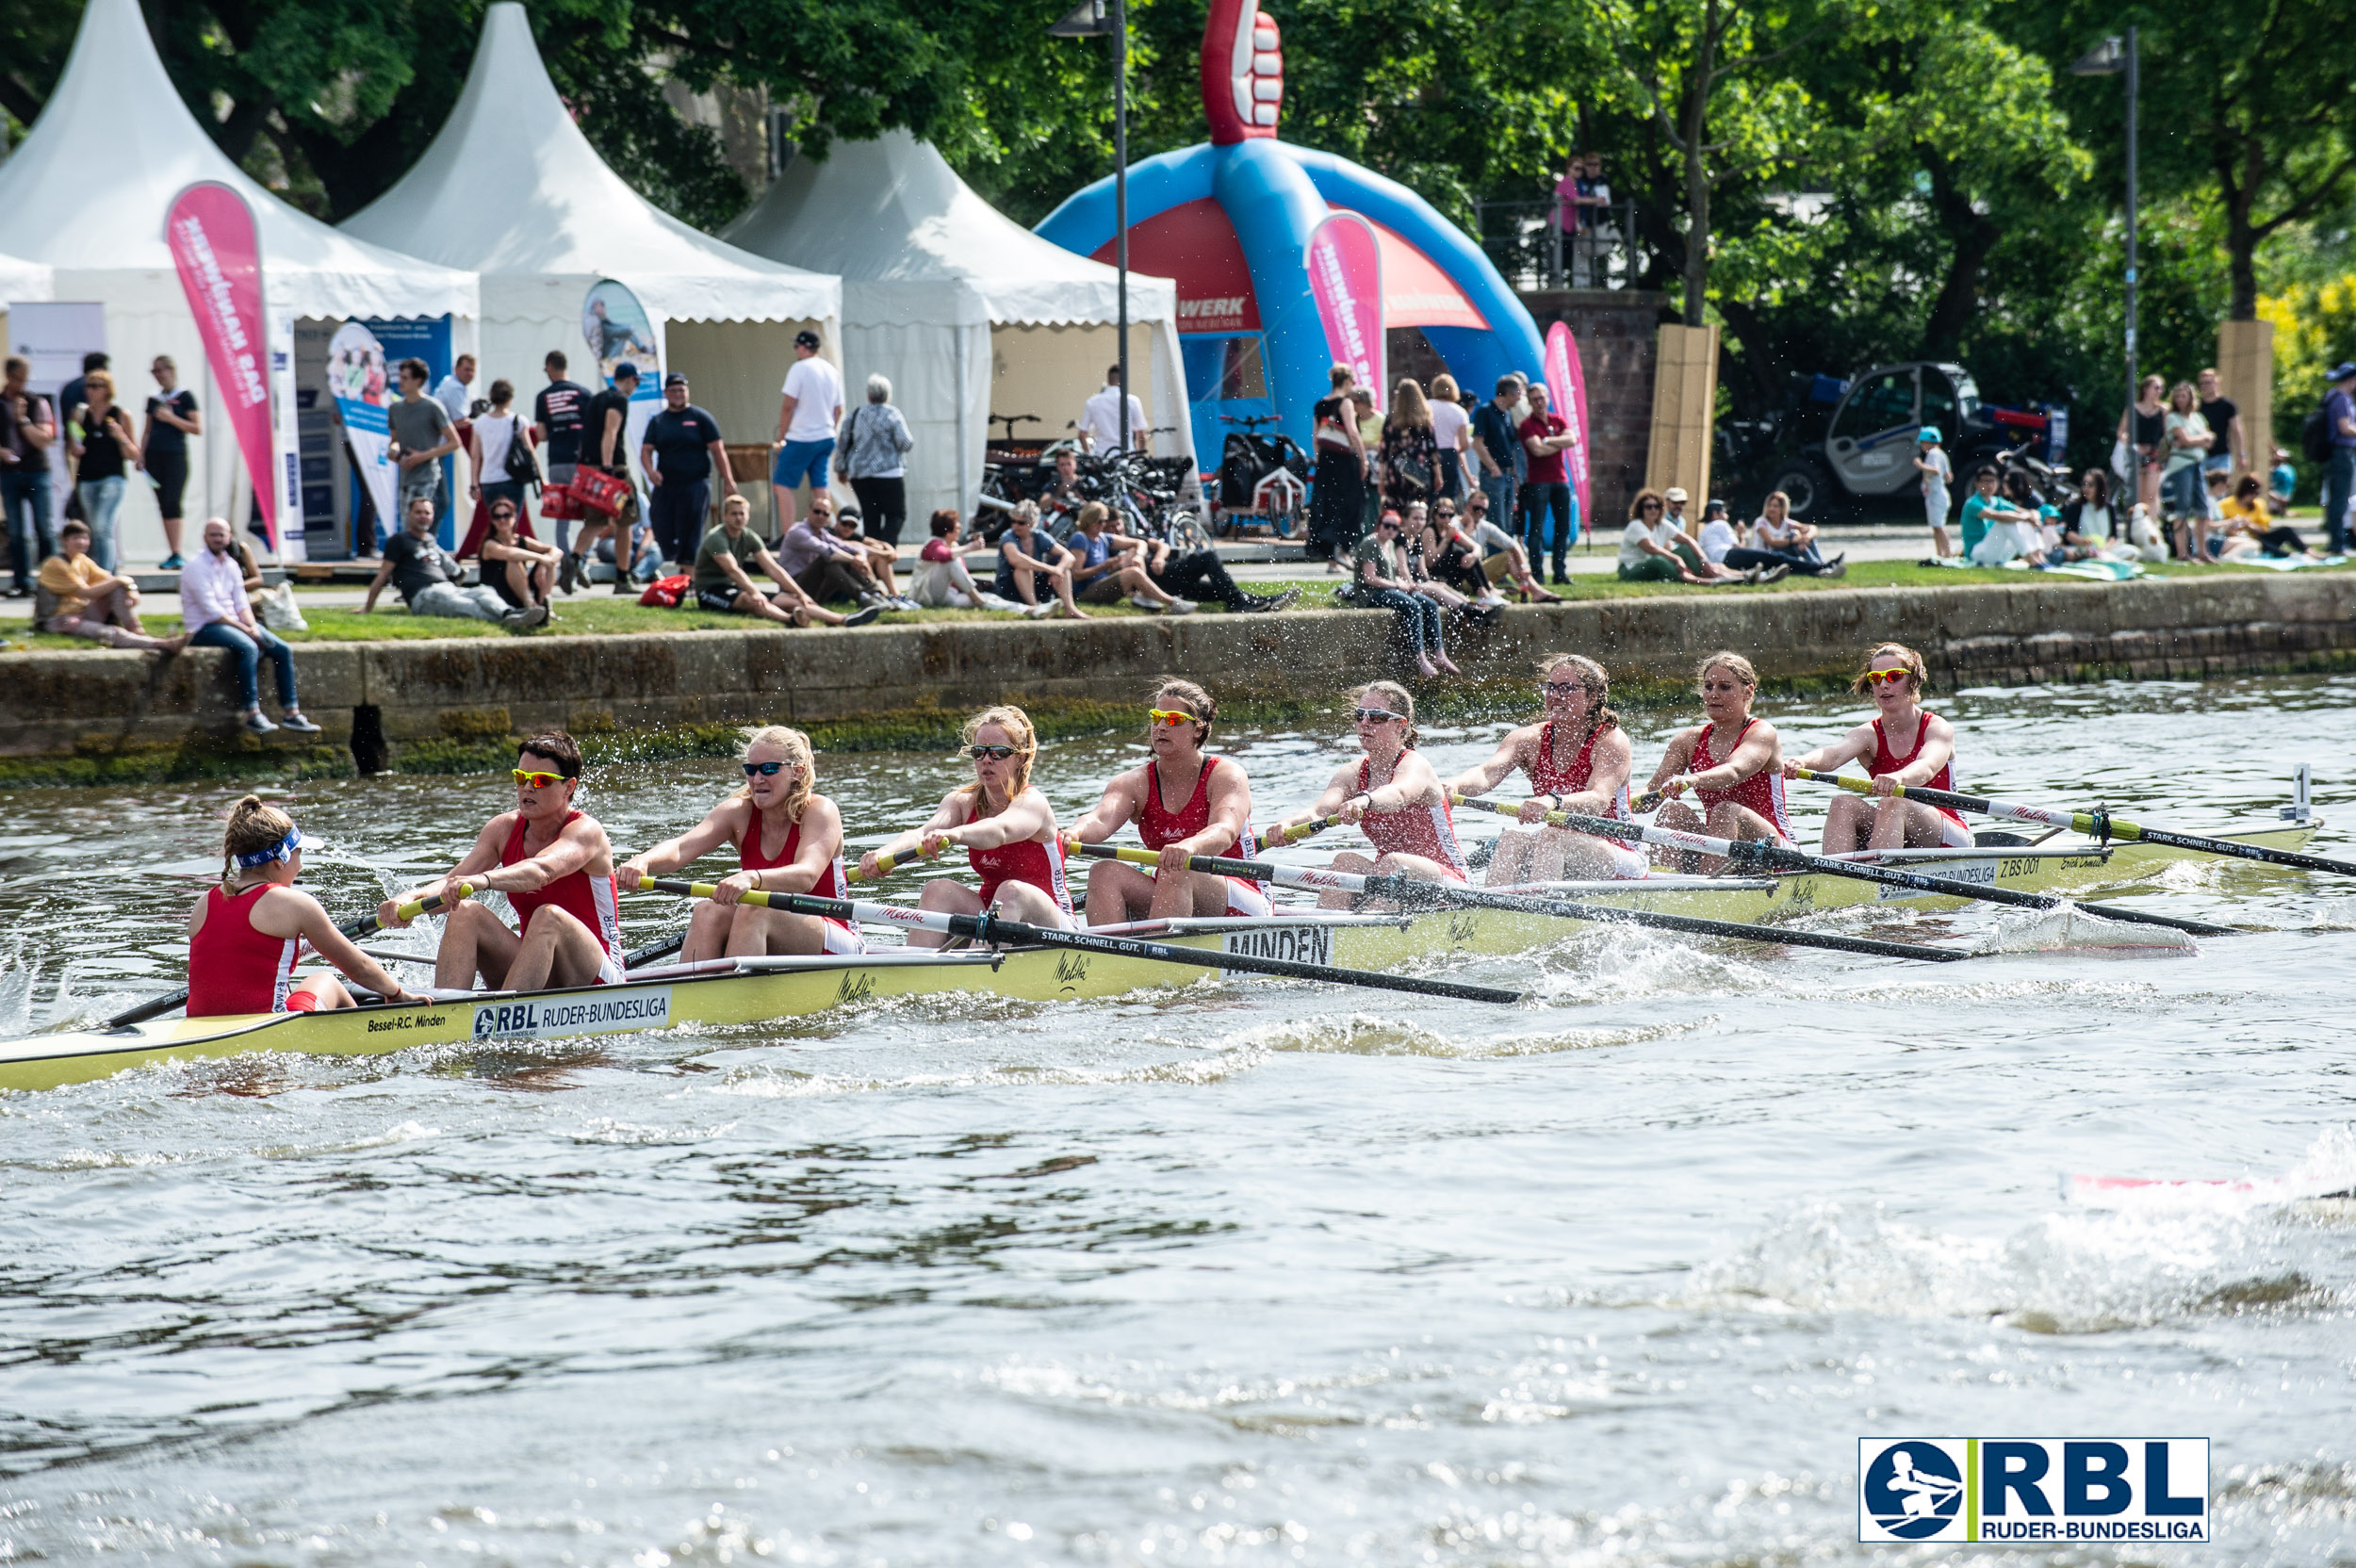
(604, 613)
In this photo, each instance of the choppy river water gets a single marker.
(1257, 1274)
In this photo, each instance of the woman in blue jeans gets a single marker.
(1383, 581)
(105, 450)
(215, 610)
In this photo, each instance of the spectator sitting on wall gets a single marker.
(943, 581)
(81, 599)
(425, 575)
(826, 568)
(883, 561)
(520, 569)
(214, 608)
(1107, 566)
(1031, 565)
(723, 580)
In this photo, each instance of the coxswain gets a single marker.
(1391, 795)
(243, 935)
(556, 868)
(1006, 827)
(1904, 744)
(1215, 819)
(788, 839)
(1577, 759)
(1733, 763)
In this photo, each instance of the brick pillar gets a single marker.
(1616, 333)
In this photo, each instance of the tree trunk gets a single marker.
(2239, 188)
(1974, 234)
(1696, 131)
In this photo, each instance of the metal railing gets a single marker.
(1533, 251)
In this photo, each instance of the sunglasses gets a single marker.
(1170, 716)
(766, 770)
(1875, 678)
(1372, 715)
(1650, 506)
(501, 513)
(996, 754)
(1558, 688)
(536, 779)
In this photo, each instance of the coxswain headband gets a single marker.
(282, 850)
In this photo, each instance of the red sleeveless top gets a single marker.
(1884, 761)
(1160, 827)
(232, 966)
(1548, 780)
(831, 882)
(1040, 864)
(590, 900)
(1427, 830)
(1762, 792)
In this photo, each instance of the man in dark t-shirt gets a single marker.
(556, 419)
(605, 449)
(681, 447)
(2230, 451)
(27, 426)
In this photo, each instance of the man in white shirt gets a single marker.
(456, 391)
(217, 615)
(1100, 420)
(808, 416)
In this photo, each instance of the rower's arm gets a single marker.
(316, 927)
(1231, 815)
(1115, 810)
(572, 851)
(1026, 816)
(1411, 783)
(1343, 783)
(684, 849)
(822, 841)
(1608, 768)
(950, 814)
(1939, 750)
(1758, 750)
(1855, 746)
(1482, 778)
(1674, 760)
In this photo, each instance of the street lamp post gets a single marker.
(2114, 57)
(1088, 20)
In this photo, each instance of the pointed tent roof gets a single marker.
(892, 211)
(89, 189)
(511, 187)
(23, 280)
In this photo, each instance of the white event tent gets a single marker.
(967, 312)
(85, 195)
(511, 189)
(24, 280)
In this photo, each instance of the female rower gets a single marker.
(1215, 819)
(1391, 795)
(788, 840)
(1006, 827)
(1733, 763)
(244, 934)
(1903, 743)
(1578, 758)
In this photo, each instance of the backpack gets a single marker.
(2314, 436)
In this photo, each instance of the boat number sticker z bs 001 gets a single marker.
(581, 1013)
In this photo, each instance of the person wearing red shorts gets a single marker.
(1006, 827)
(1185, 803)
(556, 868)
(788, 840)
(1903, 743)
(1733, 763)
(243, 935)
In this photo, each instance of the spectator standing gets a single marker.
(683, 447)
(1380, 579)
(422, 435)
(1369, 438)
(1337, 501)
(556, 419)
(1545, 437)
(1030, 564)
(808, 413)
(1451, 435)
(172, 417)
(456, 391)
(2189, 440)
(1408, 457)
(426, 577)
(2339, 479)
(1497, 448)
(604, 449)
(215, 610)
(71, 397)
(2143, 428)
(943, 581)
(875, 442)
(81, 599)
(1930, 460)
(827, 567)
(2231, 453)
(27, 426)
(518, 567)
(105, 451)
(1100, 418)
(723, 582)
(496, 434)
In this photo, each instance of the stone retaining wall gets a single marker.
(110, 710)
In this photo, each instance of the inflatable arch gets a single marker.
(1230, 221)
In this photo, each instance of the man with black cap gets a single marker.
(2339, 479)
(681, 447)
(809, 414)
(605, 449)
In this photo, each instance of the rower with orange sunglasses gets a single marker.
(556, 866)
(1903, 744)
(1215, 819)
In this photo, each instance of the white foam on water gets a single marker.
(2066, 926)
(771, 1083)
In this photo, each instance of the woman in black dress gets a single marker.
(1337, 500)
(1409, 463)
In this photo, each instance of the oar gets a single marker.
(1764, 855)
(1275, 837)
(1408, 890)
(365, 926)
(987, 927)
(2098, 823)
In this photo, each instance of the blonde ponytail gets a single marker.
(254, 829)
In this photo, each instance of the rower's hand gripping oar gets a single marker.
(987, 927)
(1275, 837)
(2098, 823)
(365, 926)
(1762, 855)
(1445, 895)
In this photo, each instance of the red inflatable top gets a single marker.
(1243, 72)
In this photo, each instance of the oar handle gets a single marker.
(414, 908)
(1277, 838)
(885, 865)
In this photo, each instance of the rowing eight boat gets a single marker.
(734, 992)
